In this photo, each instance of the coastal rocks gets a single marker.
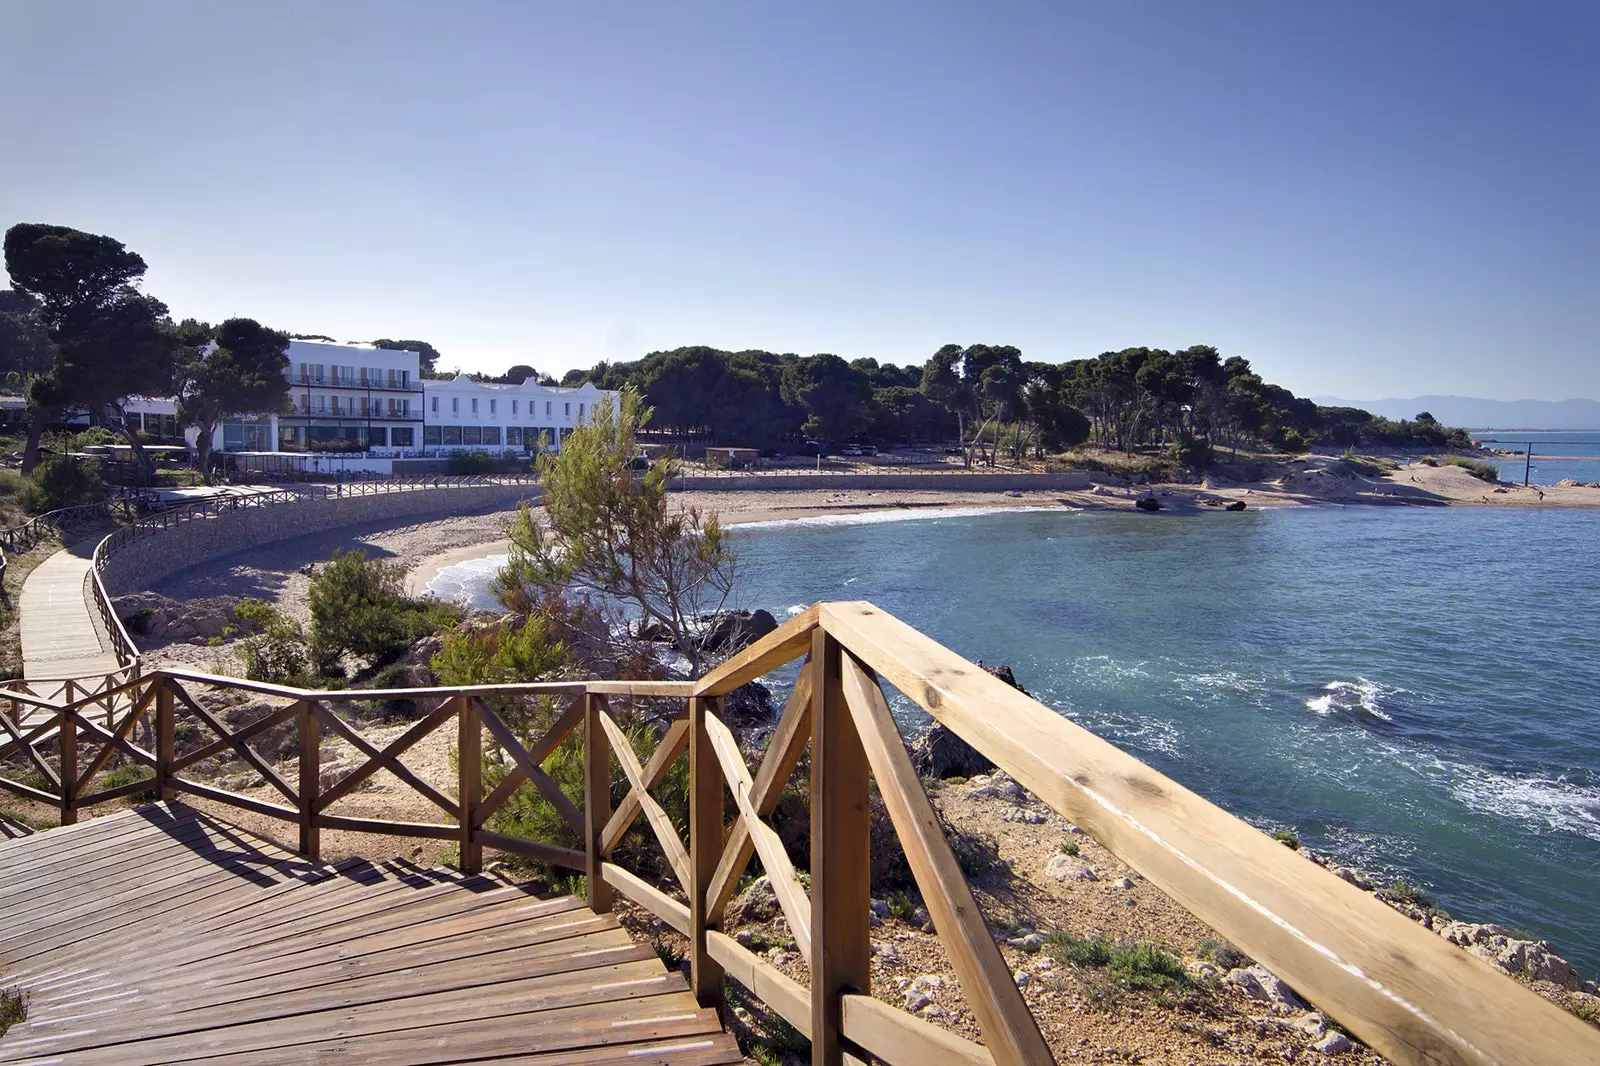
(1568, 483)
(758, 903)
(1533, 958)
(1260, 984)
(163, 619)
(997, 786)
(1236, 505)
(1067, 868)
(749, 706)
(939, 754)
(733, 630)
(1147, 503)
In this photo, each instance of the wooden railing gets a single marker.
(1413, 996)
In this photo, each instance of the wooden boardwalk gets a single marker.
(163, 935)
(59, 635)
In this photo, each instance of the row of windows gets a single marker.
(455, 407)
(374, 407)
(350, 376)
(514, 435)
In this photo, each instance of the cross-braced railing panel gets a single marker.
(1411, 995)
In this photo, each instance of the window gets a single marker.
(513, 407)
(436, 405)
(471, 435)
(452, 434)
(580, 412)
(513, 433)
(491, 406)
(430, 435)
(547, 408)
(491, 434)
(566, 410)
(455, 405)
(400, 437)
(474, 405)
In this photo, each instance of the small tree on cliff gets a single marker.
(608, 530)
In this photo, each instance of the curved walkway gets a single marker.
(59, 634)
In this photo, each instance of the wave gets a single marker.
(1537, 800)
(1355, 699)
(910, 514)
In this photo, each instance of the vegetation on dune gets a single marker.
(1476, 467)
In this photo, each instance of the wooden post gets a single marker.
(705, 850)
(310, 775)
(67, 746)
(841, 856)
(596, 802)
(164, 740)
(469, 780)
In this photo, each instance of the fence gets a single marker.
(1413, 996)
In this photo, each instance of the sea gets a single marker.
(1555, 455)
(1416, 691)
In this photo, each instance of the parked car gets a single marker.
(817, 447)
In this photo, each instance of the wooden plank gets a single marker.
(39, 764)
(1009, 1030)
(705, 848)
(1413, 996)
(570, 719)
(244, 751)
(547, 788)
(433, 830)
(895, 1036)
(682, 689)
(788, 742)
(775, 860)
(389, 755)
(788, 641)
(469, 782)
(841, 956)
(677, 855)
(771, 985)
(109, 748)
(235, 799)
(310, 767)
(570, 858)
(596, 804)
(673, 741)
(649, 897)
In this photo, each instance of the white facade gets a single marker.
(351, 397)
(462, 414)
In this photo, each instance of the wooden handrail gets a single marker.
(1404, 990)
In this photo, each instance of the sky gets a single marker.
(1364, 199)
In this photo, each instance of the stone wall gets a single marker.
(154, 558)
(1067, 481)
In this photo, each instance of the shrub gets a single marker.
(1224, 954)
(127, 774)
(1145, 967)
(358, 605)
(1074, 951)
(1288, 838)
(900, 906)
(13, 1008)
(276, 650)
(1069, 847)
(60, 482)
(1428, 460)
(468, 463)
(1476, 467)
(1584, 1011)
(1408, 893)
(1194, 452)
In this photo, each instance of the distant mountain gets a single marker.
(1474, 413)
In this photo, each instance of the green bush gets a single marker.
(275, 651)
(13, 1008)
(1193, 452)
(1145, 967)
(126, 774)
(1288, 838)
(61, 482)
(1069, 847)
(1476, 467)
(1428, 460)
(359, 606)
(1224, 954)
(1075, 951)
(900, 906)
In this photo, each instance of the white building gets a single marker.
(347, 397)
(459, 413)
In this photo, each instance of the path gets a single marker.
(162, 934)
(59, 635)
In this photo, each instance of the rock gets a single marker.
(1204, 972)
(1025, 816)
(1021, 977)
(939, 753)
(1313, 1025)
(744, 938)
(1236, 505)
(1123, 882)
(758, 903)
(919, 916)
(927, 982)
(748, 706)
(1533, 958)
(1030, 942)
(733, 630)
(1332, 1043)
(927, 927)
(880, 907)
(1259, 984)
(1147, 503)
(933, 1010)
(1067, 868)
(885, 952)
(1355, 877)
(1568, 483)
(998, 786)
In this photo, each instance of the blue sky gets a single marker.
(1364, 199)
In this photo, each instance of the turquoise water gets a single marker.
(1413, 690)
(1574, 455)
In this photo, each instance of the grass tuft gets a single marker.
(1476, 467)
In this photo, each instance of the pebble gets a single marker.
(1123, 882)
(1025, 816)
(1333, 1043)
(1022, 977)
(1067, 868)
(880, 908)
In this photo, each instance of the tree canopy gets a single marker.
(242, 373)
(428, 355)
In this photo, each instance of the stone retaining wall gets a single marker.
(1067, 481)
(154, 558)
